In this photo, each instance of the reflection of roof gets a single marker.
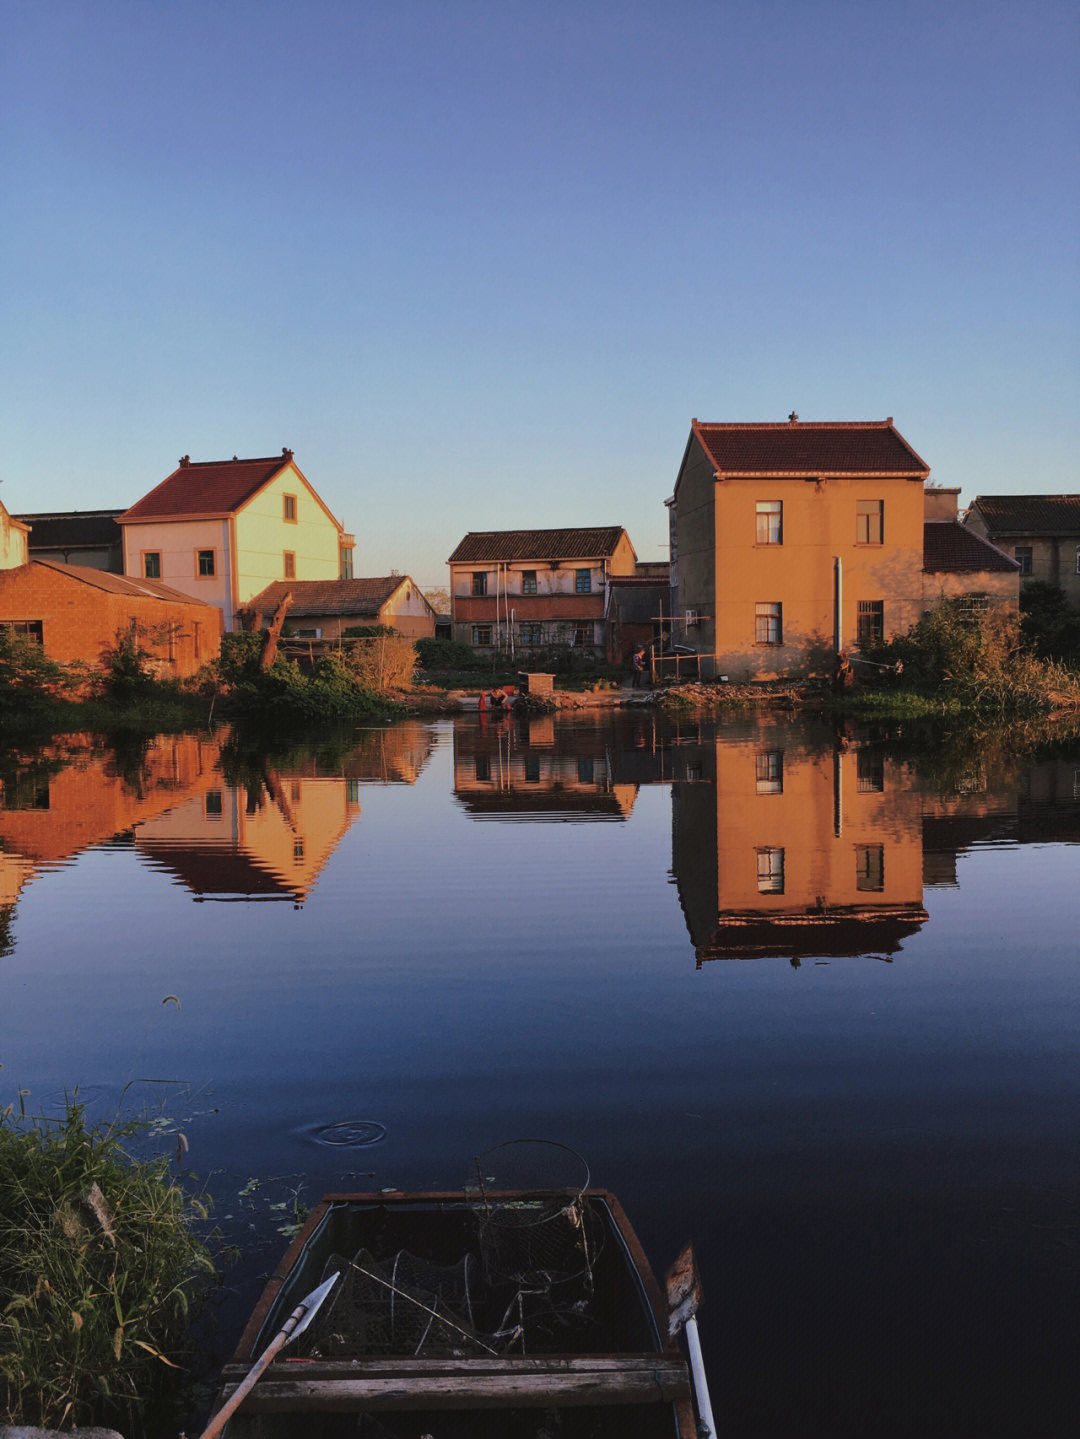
(330, 597)
(207, 487)
(1030, 514)
(840, 933)
(216, 871)
(119, 584)
(871, 447)
(74, 530)
(487, 545)
(551, 805)
(949, 546)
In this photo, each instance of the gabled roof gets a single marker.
(801, 449)
(1029, 514)
(951, 548)
(74, 529)
(363, 597)
(117, 584)
(207, 488)
(493, 546)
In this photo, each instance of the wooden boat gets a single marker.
(467, 1313)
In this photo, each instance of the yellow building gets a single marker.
(222, 530)
(13, 541)
(792, 542)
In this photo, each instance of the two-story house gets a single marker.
(793, 542)
(222, 530)
(1041, 532)
(528, 590)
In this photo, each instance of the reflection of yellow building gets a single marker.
(267, 841)
(508, 769)
(798, 848)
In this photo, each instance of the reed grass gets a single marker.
(99, 1265)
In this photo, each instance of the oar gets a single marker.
(294, 1326)
(684, 1298)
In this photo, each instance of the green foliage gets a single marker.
(29, 680)
(129, 672)
(366, 632)
(94, 1298)
(1050, 627)
(239, 657)
(442, 654)
(975, 663)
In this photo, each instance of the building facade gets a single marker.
(793, 542)
(522, 591)
(14, 541)
(1040, 532)
(90, 538)
(223, 530)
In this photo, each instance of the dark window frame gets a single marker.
(870, 517)
(479, 583)
(768, 622)
(583, 582)
(769, 522)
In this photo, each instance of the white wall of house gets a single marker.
(13, 542)
(178, 543)
(264, 535)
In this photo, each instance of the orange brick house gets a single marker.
(75, 614)
(790, 542)
(530, 589)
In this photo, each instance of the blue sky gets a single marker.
(480, 264)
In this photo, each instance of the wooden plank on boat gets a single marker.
(385, 1384)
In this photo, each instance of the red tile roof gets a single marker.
(494, 546)
(361, 597)
(1030, 514)
(799, 449)
(206, 487)
(951, 548)
(120, 584)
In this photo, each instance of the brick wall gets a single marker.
(80, 621)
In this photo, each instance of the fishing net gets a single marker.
(403, 1307)
(545, 1235)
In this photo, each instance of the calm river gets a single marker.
(806, 997)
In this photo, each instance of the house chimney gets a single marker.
(287, 454)
(793, 418)
(185, 460)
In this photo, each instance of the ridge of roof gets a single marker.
(569, 542)
(807, 448)
(950, 547)
(120, 584)
(207, 487)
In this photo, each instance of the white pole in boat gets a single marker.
(684, 1296)
(294, 1326)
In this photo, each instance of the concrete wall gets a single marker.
(263, 536)
(13, 542)
(1053, 559)
(80, 622)
(694, 534)
(178, 542)
(1002, 589)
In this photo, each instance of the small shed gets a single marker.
(638, 613)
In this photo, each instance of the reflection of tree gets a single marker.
(955, 759)
(128, 761)
(7, 915)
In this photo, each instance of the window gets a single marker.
(152, 565)
(205, 563)
(213, 804)
(528, 582)
(1022, 555)
(585, 770)
(583, 582)
(482, 767)
(479, 582)
(870, 522)
(288, 509)
(531, 634)
(308, 632)
(289, 559)
(870, 771)
(481, 635)
(26, 791)
(770, 871)
(870, 622)
(770, 771)
(532, 768)
(768, 624)
(298, 850)
(29, 630)
(352, 794)
(345, 562)
(583, 636)
(1078, 559)
(197, 639)
(972, 607)
(869, 866)
(770, 522)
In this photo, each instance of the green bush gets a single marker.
(28, 678)
(1050, 627)
(440, 654)
(94, 1297)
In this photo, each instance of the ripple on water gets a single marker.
(349, 1133)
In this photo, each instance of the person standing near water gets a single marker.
(637, 664)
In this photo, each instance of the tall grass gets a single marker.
(98, 1268)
